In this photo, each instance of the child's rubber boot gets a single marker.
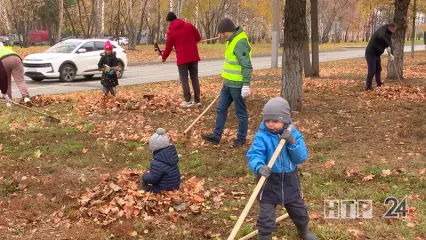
(265, 237)
(305, 234)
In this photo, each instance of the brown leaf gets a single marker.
(37, 153)
(198, 198)
(411, 225)
(195, 208)
(314, 216)
(115, 187)
(386, 172)
(56, 219)
(329, 163)
(369, 177)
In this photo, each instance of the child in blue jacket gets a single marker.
(163, 173)
(282, 186)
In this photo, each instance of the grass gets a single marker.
(42, 165)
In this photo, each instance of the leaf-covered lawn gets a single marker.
(79, 179)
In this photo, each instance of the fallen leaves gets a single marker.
(329, 164)
(37, 153)
(368, 177)
(119, 197)
(386, 172)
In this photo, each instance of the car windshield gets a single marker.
(63, 47)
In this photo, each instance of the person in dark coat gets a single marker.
(183, 36)
(381, 40)
(109, 66)
(163, 173)
(282, 186)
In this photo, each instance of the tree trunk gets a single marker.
(294, 40)
(398, 39)
(158, 22)
(95, 11)
(131, 26)
(60, 20)
(133, 31)
(68, 15)
(117, 29)
(81, 20)
(103, 18)
(314, 38)
(196, 13)
(413, 30)
(306, 58)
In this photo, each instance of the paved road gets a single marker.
(168, 71)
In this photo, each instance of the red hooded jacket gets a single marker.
(184, 37)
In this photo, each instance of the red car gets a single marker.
(39, 38)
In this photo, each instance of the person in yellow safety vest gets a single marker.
(11, 65)
(237, 70)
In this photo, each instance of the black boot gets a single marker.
(305, 234)
(210, 138)
(238, 143)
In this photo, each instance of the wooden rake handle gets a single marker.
(254, 233)
(205, 40)
(198, 118)
(257, 190)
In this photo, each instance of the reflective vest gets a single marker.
(231, 68)
(4, 52)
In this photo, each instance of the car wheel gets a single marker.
(37, 79)
(67, 73)
(120, 73)
(89, 76)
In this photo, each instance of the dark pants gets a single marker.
(227, 96)
(192, 68)
(374, 69)
(110, 90)
(267, 216)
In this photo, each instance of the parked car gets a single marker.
(123, 40)
(15, 39)
(38, 38)
(68, 37)
(71, 58)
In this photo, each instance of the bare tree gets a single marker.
(314, 38)
(294, 40)
(401, 10)
(132, 24)
(413, 30)
(60, 20)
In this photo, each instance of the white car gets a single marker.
(123, 41)
(71, 58)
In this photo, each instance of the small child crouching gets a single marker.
(163, 173)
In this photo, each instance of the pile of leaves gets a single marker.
(401, 92)
(120, 197)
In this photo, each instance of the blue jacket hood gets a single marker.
(264, 146)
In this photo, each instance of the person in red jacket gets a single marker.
(183, 36)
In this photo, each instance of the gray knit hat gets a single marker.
(277, 109)
(158, 140)
(226, 25)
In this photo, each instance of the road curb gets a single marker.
(174, 61)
